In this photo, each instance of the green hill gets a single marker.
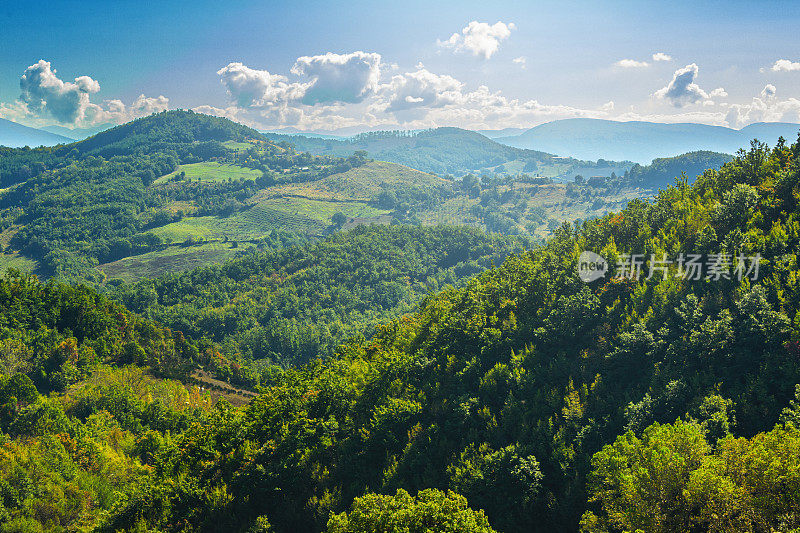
(452, 151)
(294, 304)
(524, 399)
(180, 189)
(663, 171)
(504, 390)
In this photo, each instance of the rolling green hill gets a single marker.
(663, 171)
(203, 188)
(452, 151)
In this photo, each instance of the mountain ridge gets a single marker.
(640, 141)
(15, 135)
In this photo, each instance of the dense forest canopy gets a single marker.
(294, 304)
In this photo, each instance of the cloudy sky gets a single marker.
(378, 65)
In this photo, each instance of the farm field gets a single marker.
(211, 171)
(171, 259)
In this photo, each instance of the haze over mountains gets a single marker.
(16, 135)
(587, 138)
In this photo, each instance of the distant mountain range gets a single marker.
(78, 134)
(16, 135)
(586, 138)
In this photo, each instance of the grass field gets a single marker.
(14, 259)
(172, 259)
(236, 145)
(211, 171)
(17, 261)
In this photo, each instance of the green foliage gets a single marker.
(431, 510)
(664, 170)
(57, 334)
(670, 480)
(294, 304)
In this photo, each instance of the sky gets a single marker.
(354, 66)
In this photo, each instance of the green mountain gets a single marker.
(16, 136)
(642, 142)
(453, 151)
(138, 187)
(663, 170)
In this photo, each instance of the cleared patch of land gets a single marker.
(171, 259)
(210, 171)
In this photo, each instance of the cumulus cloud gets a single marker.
(479, 38)
(347, 78)
(786, 65)
(631, 63)
(248, 87)
(521, 61)
(421, 88)
(43, 96)
(43, 92)
(661, 56)
(683, 90)
(769, 91)
(761, 110)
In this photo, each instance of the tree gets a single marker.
(339, 219)
(430, 511)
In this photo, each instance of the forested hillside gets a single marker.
(504, 390)
(663, 170)
(72, 207)
(294, 304)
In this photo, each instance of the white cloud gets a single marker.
(786, 65)
(479, 38)
(45, 97)
(631, 63)
(769, 91)
(249, 87)
(43, 92)
(521, 61)
(421, 88)
(661, 56)
(345, 78)
(683, 90)
(719, 92)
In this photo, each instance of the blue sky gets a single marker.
(511, 64)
